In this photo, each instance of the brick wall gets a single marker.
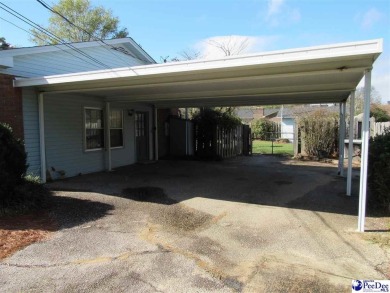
(11, 110)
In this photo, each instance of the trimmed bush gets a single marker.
(319, 132)
(13, 164)
(262, 129)
(379, 171)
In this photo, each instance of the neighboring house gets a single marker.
(74, 123)
(288, 117)
(271, 113)
(247, 115)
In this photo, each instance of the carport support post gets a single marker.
(342, 136)
(108, 137)
(364, 156)
(42, 148)
(350, 141)
(341, 139)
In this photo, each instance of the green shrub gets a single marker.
(379, 114)
(319, 132)
(379, 171)
(18, 193)
(212, 117)
(262, 129)
(13, 164)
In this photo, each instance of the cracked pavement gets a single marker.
(246, 225)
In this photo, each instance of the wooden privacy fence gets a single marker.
(219, 142)
(376, 128)
(379, 128)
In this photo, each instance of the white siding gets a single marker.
(61, 62)
(31, 131)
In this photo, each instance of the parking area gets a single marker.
(249, 224)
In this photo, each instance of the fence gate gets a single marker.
(218, 142)
(275, 143)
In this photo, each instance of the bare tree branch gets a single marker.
(190, 54)
(230, 46)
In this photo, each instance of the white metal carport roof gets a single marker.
(322, 74)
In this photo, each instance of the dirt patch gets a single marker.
(181, 217)
(17, 232)
(383, 239)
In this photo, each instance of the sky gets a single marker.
(167, 27)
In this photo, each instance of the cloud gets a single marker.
(274, 7)
(370, 17)
(279, 13)
(216, 47)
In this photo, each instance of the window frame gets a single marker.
(85, 129)
(122, 128)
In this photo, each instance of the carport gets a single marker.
(321, 74)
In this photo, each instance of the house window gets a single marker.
(116, 128)
(94, 129)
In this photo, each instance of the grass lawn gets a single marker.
(265, 147)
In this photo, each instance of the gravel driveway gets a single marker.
(249, 224)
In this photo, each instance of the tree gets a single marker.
(90, 23)
(3, 44)
(359, 99)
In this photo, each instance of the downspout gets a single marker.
(42, 148)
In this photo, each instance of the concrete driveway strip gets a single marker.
(245, 225)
